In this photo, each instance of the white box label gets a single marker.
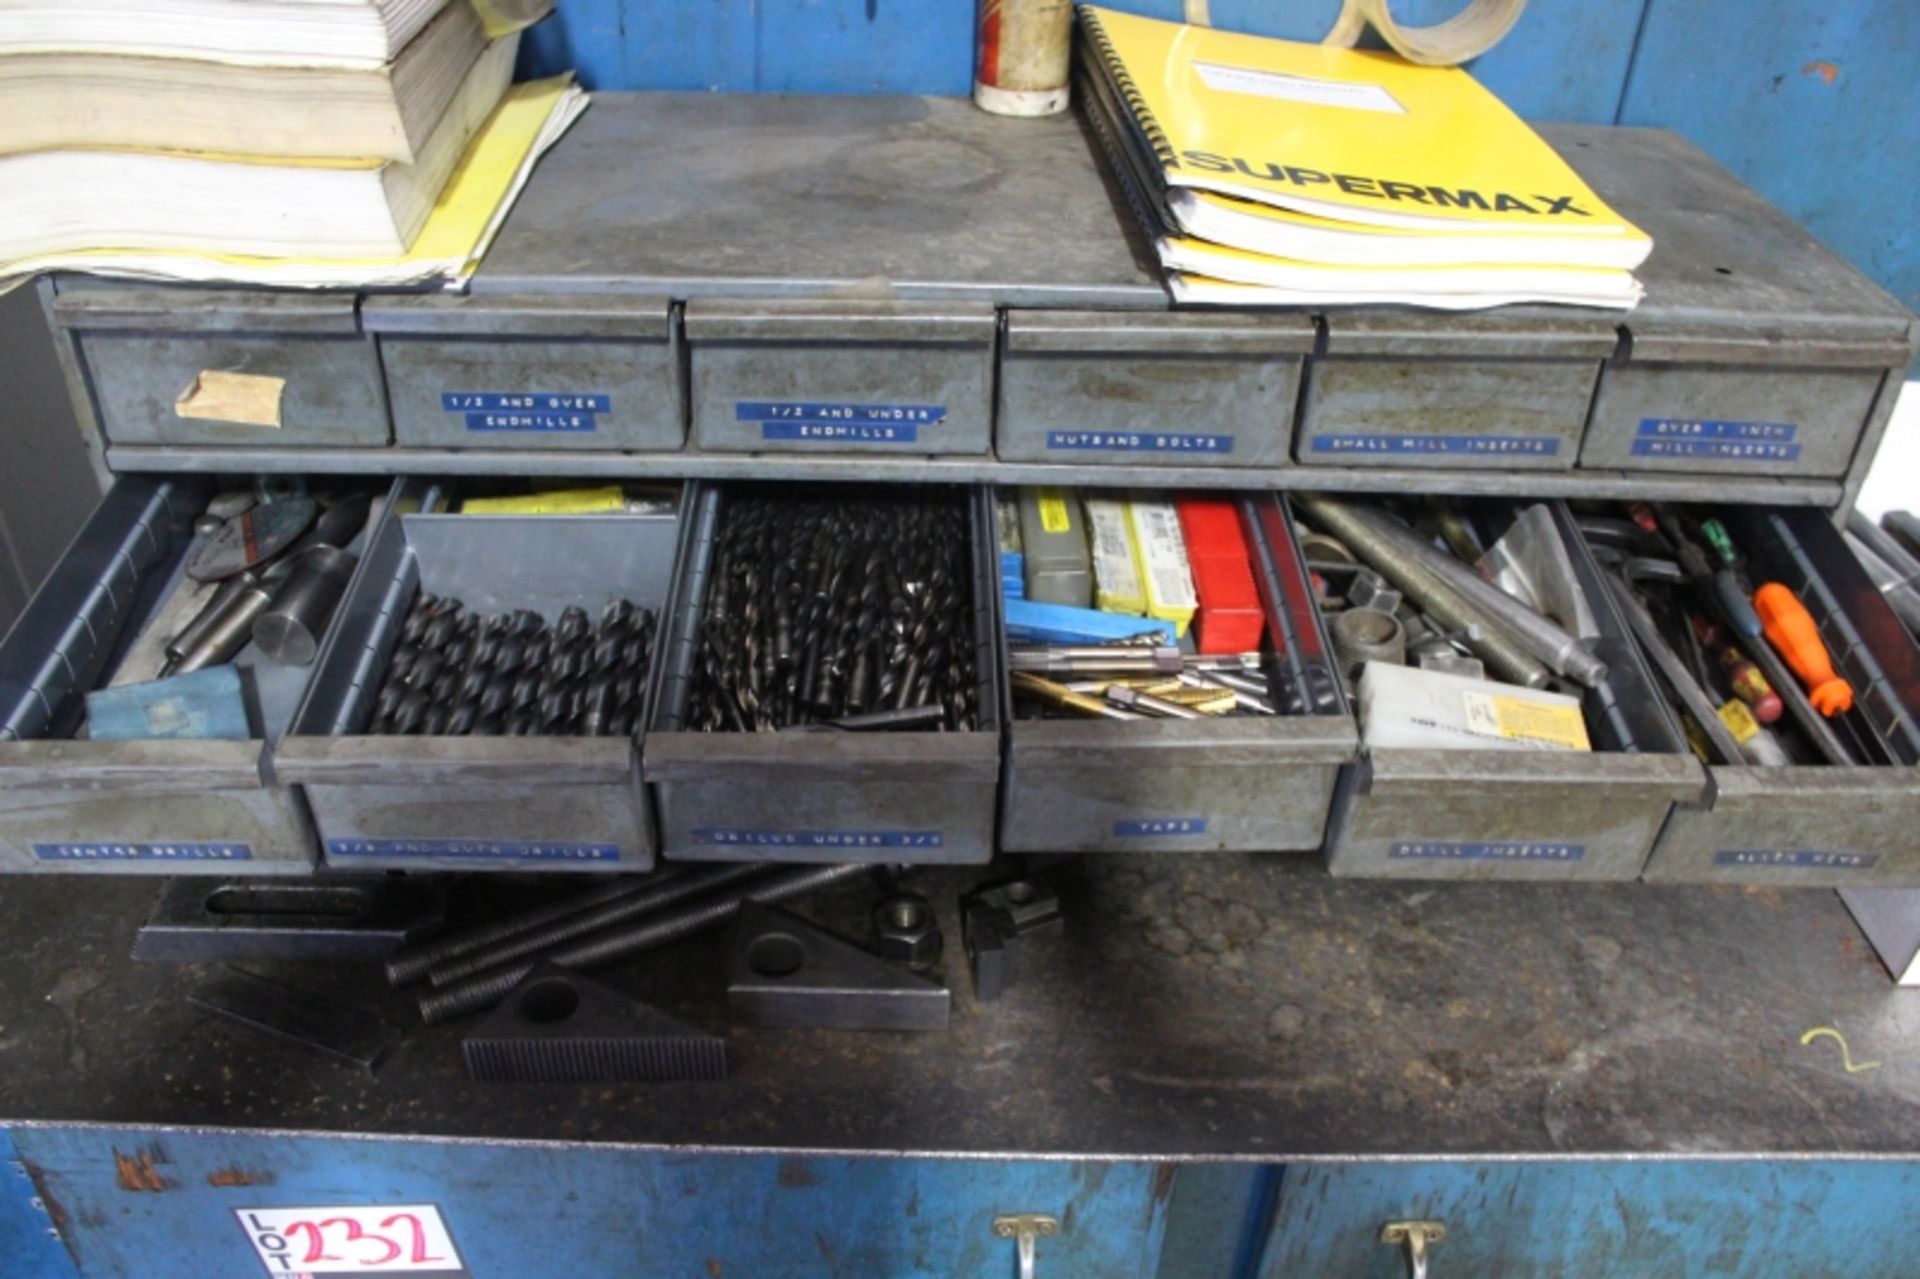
(1298, 88)
(390, 1239)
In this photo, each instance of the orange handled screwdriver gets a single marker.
(1791, 629)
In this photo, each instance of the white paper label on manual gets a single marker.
(1295, 88)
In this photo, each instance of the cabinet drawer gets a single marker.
(507, 372)
(922, 797)
(1489, 391)
(1257, 783)
(822, 377)
(1172, 389)
(308, 376)
(1817, 824)
(168, 806)
(1472, 814)
(480, 802)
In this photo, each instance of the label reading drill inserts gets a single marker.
(821, 422)
(1451, 851)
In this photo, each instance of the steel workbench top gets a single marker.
(1195, 1006)
(867, 198)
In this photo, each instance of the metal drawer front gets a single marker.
(142, 353)
(1467, 814)
(822, 797)
(1256, 783)
(1813, 825)
(503, 372)
(1506, 391)
(476, 803)
(154, 807)
(1180, 389)
(831, 377)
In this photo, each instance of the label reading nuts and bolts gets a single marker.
(1138, 442)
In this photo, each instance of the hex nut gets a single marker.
(909, 933)
(1032, 903)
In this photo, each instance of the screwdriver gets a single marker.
(1791, 630)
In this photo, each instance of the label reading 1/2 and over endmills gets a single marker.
(562, 412)
(1450, 851)
(1715, 439)
(820, 422)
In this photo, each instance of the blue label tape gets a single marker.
(1439, 850)
(819, 422)
(527, 401)
(1720, 450)
(474, 849)
(543, 422)
(723, 836)
(567, 412)
(1139, 442)
(218, 852)
(1713, 429)
(1160, 826)
(1795, 858)
(1510, 445)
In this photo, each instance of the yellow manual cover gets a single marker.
(1345, 134)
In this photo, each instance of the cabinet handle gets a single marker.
(1026, 1229)
(1416, 1237)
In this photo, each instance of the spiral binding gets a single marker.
(1097, 118)
(1129, 92)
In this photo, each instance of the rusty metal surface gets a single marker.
(1210, 1005)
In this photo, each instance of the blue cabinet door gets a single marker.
(175, 1205)
(1684, 1219)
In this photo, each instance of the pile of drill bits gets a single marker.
(456, 673)
(1138, 681)
(833, 610)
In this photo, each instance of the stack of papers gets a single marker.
(1268, 172)
(304, 143)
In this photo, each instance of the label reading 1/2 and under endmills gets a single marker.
(823, 422)
(1716, 440)
(551, 412)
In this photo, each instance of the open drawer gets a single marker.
(826, 795)
(532, 796)
(1816, 823)
(1241, 782)
(161, 805)
(1483, 814)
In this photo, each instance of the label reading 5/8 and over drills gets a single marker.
(822, 422)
